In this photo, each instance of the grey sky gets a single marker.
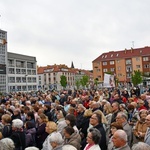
(61, 31)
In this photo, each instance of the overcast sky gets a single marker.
(61, 31)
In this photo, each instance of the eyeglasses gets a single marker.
(147, 119)
(93, 118)
(89, 137)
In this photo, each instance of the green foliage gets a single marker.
(77, 83)
(96, 81)
(84, 80)
(136, 77)
(63, 81)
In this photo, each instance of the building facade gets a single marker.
(22, 73)
(122, 64)
(49, 77)
(3, 61)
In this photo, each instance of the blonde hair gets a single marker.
(43, 117)
(52, 126)
(102, 116)
(88, 113)
(108, 108)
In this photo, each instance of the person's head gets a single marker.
(42, 118)
(80, 108)
(16, 111)
(7, 144)
(60, 114)
(115, 126)
(108, 108)
(17, 124)
(88, 113)
(68, 131)
(29, 125)
(70, 120)
(140, 103)
(95, 119)
(119, 138)
(143, 113)
(115, 106)
(6, 119)
(30, 115)
(147, 120)
(93, 136)
(122, 107)
(121, 118)
(56, 139)
(50, 127)
(31, 148)
(143, 97)
(138, 146)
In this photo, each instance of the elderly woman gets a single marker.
(56, 141)
(141, 126)
(72, 137)
(51, 127)
(7, 144)
(93, 139)
(18, 135)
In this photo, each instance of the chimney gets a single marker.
(125, 51)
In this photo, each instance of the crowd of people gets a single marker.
(103, 119)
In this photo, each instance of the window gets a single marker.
(137, 58)
(119, 68)
(104, 63)
(138, 66)
(146, 66)
(112, 69)
(112, 62)
(128, 61)
(145, 58)
(105, 70)
(129, 69)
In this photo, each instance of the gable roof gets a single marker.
(145, 51)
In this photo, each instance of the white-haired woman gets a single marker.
(7, 144)
(56, 141)
(18, 135)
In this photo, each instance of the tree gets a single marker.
(63, 81)
(77, 82)
(84, 80)
(136, 77)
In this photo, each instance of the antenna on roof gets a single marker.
(132, 44)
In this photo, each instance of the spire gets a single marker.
(72, 65)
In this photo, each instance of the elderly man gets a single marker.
(120, 140)
(147, 135)
(96, 122)
(122, 119)
(138, 146)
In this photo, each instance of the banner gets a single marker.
(109, 80)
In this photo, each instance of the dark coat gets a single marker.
(41, 135)
(30, 137)
(7, 131)
(19, 139)
(102, 143)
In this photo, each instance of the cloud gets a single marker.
(74, 30)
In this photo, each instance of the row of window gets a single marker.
(21, 71)
(128, 61)
(21, 80)
(22, 88)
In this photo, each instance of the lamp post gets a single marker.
(26, 83)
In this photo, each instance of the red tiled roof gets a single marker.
(124, 54)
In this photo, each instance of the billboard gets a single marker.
(2, 69)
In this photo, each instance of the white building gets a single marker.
(22, 73)
(3, 61)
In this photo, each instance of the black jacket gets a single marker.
(102, 143)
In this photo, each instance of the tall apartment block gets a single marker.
(122, 64)
(22, 73)
(3, 61)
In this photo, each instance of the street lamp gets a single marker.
(26, 83)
